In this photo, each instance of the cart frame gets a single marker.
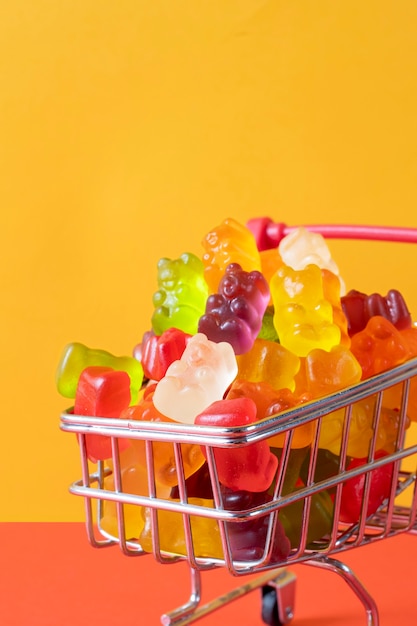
(275, 580)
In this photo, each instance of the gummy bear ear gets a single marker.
(162, 263)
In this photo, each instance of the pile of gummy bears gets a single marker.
(237, 335)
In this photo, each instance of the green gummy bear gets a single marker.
(76, 357)
(320, 519)
(181, 298)
(268, 330)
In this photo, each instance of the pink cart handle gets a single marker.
(268, 233)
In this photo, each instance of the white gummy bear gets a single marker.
(302, 247)
(200, 377)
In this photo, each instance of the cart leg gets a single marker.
(280, 581)
(181, 614)
(354, 583)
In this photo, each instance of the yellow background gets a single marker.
(130, 128)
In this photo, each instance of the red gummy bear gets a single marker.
(249, 467)
(102, 392)
(157, 352)
(353, 489)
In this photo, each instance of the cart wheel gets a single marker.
(270, 606)
(278, 599)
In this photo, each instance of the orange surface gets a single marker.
(50, 576)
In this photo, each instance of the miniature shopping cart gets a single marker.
(102, 484)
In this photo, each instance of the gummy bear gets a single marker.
(250, 467)
(302, 247)
(134, 480)
(230, 242)
(206, 538)
(157, 352)
(102, 392)
(164, 460)
(76, 357)
(268, 329)
(393, 395)
(270, 401)
(303, 317)
(361, 429)
(379, 346)
(182, 294)
(270, 362)
(359, 308)
(352, 500)
(328, 371)
(235, 313)
(249, 538)
(271, 261)
(193, 382)
(331, 293)
(318, 523)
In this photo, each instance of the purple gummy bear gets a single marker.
(235, 313)
(359, 307)
(248, 539)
